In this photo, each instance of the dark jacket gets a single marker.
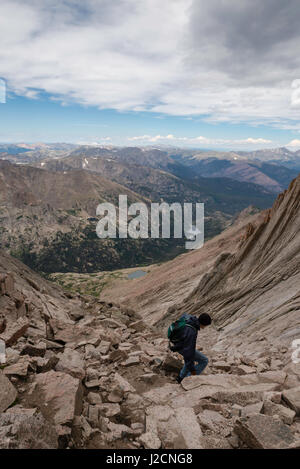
(187, 345)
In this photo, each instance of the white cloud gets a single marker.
(203, 141)
(155, 138)
(294, 144)
(295, 97)
(176, 57)
(97, 142)
(2, 91)
(255, 141)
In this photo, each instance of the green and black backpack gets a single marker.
(175, 330)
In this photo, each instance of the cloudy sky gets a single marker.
(208, 74)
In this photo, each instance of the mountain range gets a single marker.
(48, 203)
(271, 168)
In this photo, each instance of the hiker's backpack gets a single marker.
(175, 330)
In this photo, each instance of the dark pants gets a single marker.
(201, 361)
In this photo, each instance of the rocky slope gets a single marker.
(59, 350)
(80, 372)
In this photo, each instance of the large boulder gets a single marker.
(189, 427)
(215, 422)
(8, 392)
(244, 370)
(104, 347)
(219, 380)
(175, 428)
(244, 395)
(163, 394)
(14, 331)
(161, 423)
(292, 398)
(58, 396)
(19, 369)
(228, 381)
(264, 432)
(150, 441)
(71, 362)
(73, 334)
(22, 431)
(131, 361)
(286, 415)
(252, 409)
(123, 383)
(221, 365)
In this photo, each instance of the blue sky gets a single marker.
(182, 72)
(44, 120)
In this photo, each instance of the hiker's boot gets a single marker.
(179, 379)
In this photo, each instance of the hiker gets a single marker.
(183, 335)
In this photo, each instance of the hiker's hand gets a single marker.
(193, 373)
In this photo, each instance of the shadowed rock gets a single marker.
(264, 432)
(292, 398)
(22, 431)
(8, 392)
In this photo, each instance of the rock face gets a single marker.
(253, 293)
